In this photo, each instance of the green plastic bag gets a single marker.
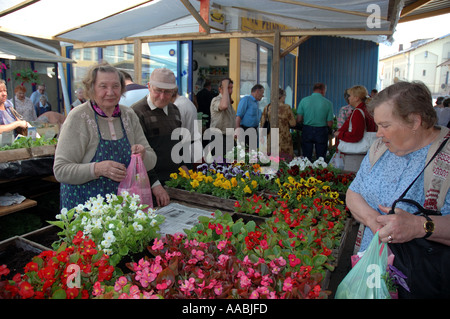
(365, 279)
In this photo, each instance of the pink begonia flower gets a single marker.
(287, 284)
(200, 274)
(263, 290)
(156, 268)
(218, 289)
(163, 285)
(247, 261)
(134, 290)
(221, 245)
(263, 244)
(158, 244)
(266, 280)
(254, 295)
(123, 296)
(223, 260)
(187, 286)
(245, 282)
(97, 289)
(281, 261)
(200, 255)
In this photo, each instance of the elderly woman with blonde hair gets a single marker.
(10, 120)
(97, 140)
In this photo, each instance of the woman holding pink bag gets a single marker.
(97, 140)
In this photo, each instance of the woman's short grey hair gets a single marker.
(407, 98)
(91, 77)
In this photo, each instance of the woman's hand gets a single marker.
(400, 227)
(23, 124)
(110, 169)
(138, 149)
(161, 196)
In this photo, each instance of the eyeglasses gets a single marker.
(160, 91)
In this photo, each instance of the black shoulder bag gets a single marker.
(425, 263)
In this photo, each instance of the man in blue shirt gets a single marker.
(248, 113)
(316, 114)
(35, 96)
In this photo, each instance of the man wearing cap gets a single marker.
(158, 118)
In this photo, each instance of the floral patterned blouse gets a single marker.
(344, 114)
(386, 181)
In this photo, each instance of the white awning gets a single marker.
(13, 50)
(109, 20)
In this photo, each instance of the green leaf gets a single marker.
(59, 224)
(59, 294)
(319, 260)
(250, 226)
(237, 227)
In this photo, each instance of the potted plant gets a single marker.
(117, 224)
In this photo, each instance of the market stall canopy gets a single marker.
(94, 22)
(112, 20)
(13, 50)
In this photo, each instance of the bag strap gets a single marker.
(16, 114)
(410, 185)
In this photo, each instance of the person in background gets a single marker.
(316, 114)
(248, 114)
(345, 111)
(359, 123)
(133, 91)
(188, 113)
(373, 93)
(443, 112)
(159, 118)
(9, 120)
(223, 116)
(40, 90)
(23, 104)
(43, 106)
(407, 138)
(97, 139)
(204, 98)
(286, 121)
(80, 98)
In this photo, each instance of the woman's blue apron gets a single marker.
(113, 150)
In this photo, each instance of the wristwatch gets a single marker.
(428, 226)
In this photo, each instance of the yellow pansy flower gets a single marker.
(194, 183)
(174, 176)
(254, 184)
(247, 189)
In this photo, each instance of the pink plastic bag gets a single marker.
(137, 181)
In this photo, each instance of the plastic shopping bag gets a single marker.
(366, 279)
(137, 181)
(337, 160)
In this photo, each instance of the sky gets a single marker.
(421, 29)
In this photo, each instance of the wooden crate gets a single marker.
(45, 150)
(44, 236)
(14, 155)
(201, 200)
(16, 252)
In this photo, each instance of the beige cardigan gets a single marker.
(78, 141)
(436, 183)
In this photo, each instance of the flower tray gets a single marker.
(14, 155)
(201, 200)
(45, 150)
(16, 252)
(45, 236)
